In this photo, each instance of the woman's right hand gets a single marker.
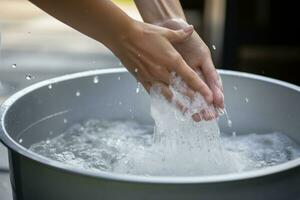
(147, 52)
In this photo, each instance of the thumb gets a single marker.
(176, 36)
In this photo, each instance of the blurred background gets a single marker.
(257, 36)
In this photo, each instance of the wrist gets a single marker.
(122, 34)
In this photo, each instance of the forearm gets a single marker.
(100, 20)
(158, 11)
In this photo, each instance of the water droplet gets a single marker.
(229, 123)
(47, 141)
(233, 134)
(14, 66)
(20, 140)
(65, 121)
(120, 102)
(214, 47)
(119, 78)
(77, 93)
(50, 86)
(138, 88)
(246, 100)
(96, 79)
(235, 88)
(136, 70)
(28, 77)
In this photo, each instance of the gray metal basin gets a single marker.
(34, 112)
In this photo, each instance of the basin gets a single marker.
(38, 112)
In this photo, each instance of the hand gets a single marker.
(147, 52)
(197, 55)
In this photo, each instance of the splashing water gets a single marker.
(175, 146)
(214, 47)
(77, 93)
(28, 77)
(137, 90)
(96, 79)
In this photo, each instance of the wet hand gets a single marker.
(197, 55)
(148, 52)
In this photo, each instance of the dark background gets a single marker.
(260, 36)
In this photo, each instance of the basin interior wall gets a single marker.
(42, 113)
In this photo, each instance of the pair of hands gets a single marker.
(152, 52)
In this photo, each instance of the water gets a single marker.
(175, 146)
(137, 90)
(96, 79)
(128, 147)
(214, 47)
(77, 93)
(28, 77)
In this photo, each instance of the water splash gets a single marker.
(96, 79)
(137, 90)
(77, 93)
(28, 77)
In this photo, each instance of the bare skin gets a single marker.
(194, 51)
(150, 52)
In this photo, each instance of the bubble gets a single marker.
(96, 79)
(14, 66)
(77, 93)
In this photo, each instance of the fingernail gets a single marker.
(220, 111)
(196, 117)
(188, 28)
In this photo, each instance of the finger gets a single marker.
(193, 80)
(214, 82)
(177, 36)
